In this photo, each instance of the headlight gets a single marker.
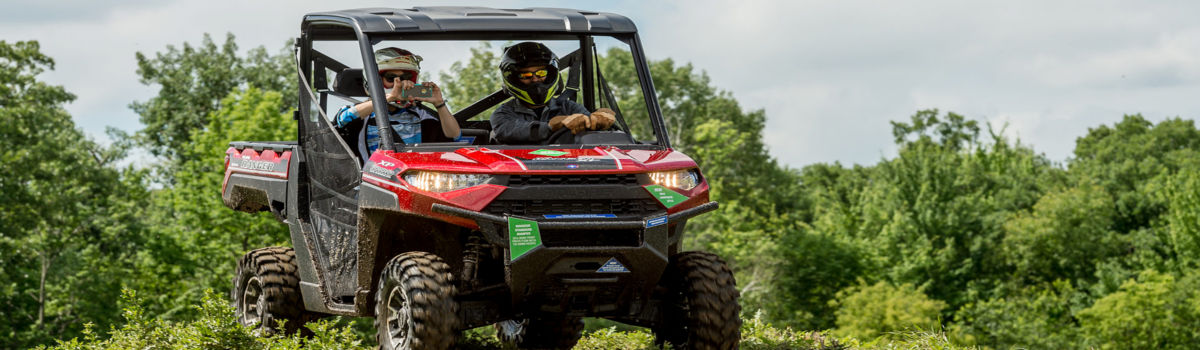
(443, 182)
(681, 179)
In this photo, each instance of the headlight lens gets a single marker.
(681, 179)
(443, 182)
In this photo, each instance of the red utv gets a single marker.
(432, 239)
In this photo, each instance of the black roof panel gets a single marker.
(473, 19)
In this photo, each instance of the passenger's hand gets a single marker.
(577, 123)
(393, 95)
(436, 99)
(602, 119)
(404, 85)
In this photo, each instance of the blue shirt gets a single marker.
(406, 122)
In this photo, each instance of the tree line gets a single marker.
(964, 231)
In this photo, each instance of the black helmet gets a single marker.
(529, 54)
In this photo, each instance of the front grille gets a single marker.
(581, 179)
(591, 238)
(620, 207)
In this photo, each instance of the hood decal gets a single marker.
(581, 163)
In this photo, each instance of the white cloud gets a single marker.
(830, 75)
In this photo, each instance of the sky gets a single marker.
(830, 75)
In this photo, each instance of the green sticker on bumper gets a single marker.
(548, 153)
(666, 196)
(523, 236)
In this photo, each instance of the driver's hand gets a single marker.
(577, 123)
(557, 122)
(602, 119)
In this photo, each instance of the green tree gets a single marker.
(940, 206)
(1037, 317)
(1125, 157)
(1155, 311)
(192, 80)
(1183, 217)
(202, 237)
(1065, 236)
(67, 224)
(469, 81)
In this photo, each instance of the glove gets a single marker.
(576, 122)
(557, 122)
(602, 119)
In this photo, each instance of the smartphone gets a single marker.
(417, 91)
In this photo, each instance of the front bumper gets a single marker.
(610, 274)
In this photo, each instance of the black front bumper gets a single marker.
(596, 276)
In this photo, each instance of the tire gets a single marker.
(701, 311)
(414, 305)
(552, 333)
(266, 289)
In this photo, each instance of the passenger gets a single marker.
(530, 74)
(412, 122)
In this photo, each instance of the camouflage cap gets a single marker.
(392, 58)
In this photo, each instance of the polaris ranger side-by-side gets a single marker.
(435, 238)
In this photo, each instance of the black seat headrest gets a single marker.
(350, 82)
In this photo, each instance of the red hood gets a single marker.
(545, 160)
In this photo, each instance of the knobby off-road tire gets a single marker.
(701, 310)
(553, 333)
(415, 306)
(266, 289)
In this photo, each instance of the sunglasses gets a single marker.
(389, 77)
(541, 73)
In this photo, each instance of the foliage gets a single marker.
(199, 236)
(468, 81)
(1183, 217)
(216, 328)
(757, 334)
(1038, 317)
(1065, 234)
(1132, 155)
(873, 311)
(963, 229)
(1155, 311)
(68, 214)
(192, 82)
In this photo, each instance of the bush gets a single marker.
(214, 329)
(1034, 318)
(880, 310)
(1153, 312)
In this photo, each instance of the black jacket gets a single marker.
(513, 123)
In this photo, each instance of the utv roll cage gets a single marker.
(373, 25)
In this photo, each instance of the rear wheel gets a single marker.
(414, 305)
(552, 333)
(701, 310)
(266, 289)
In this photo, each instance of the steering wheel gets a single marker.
(556, 135)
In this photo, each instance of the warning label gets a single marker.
(612, 266)
(523, 236)
(666, 196)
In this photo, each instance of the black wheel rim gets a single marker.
(399, 318)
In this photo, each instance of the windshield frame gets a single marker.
(590, 96)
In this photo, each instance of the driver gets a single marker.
(530, 74)
(412, 122)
